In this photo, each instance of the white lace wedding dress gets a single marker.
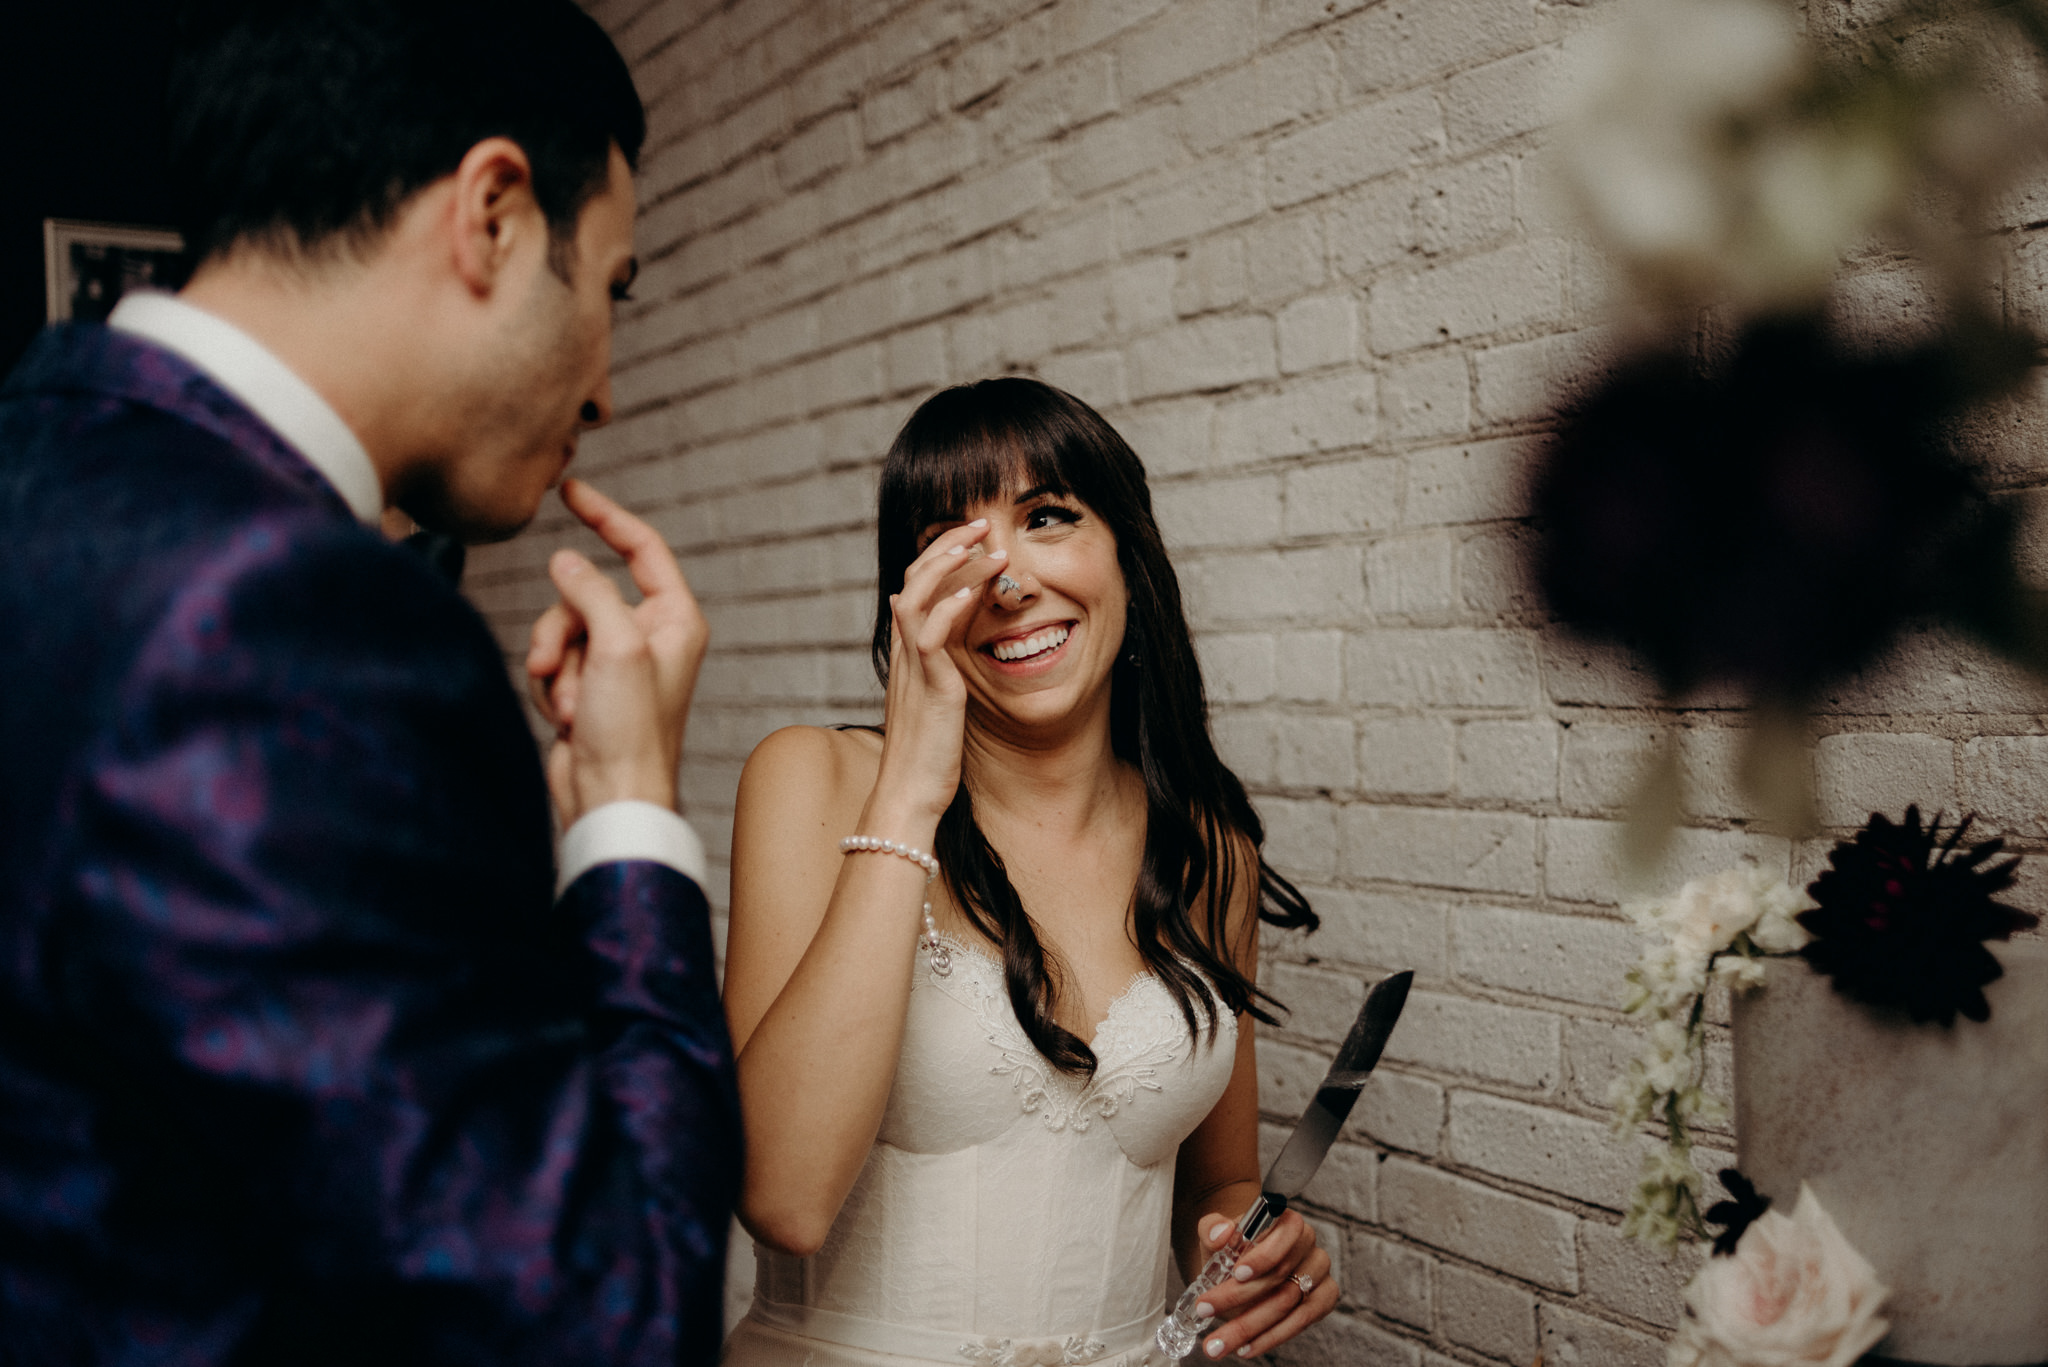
(1008, 1216)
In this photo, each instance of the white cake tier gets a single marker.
(1928, 1146)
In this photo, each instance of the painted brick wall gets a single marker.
(1302, 254)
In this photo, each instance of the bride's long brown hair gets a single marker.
(975, 443)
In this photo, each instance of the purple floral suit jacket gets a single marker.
(301, 1061)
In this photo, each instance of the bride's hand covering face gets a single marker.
(1045, 737)
(926, 706)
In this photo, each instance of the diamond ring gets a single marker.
(1304, 1281)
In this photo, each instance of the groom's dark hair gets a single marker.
(301, 126)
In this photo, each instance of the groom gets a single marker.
(310, 1050)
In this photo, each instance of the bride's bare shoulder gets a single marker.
(815, 766)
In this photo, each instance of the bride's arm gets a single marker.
(822, 946)
(1217, 1178)
(1218, 1170)
(818, 972)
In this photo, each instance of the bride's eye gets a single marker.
(1050, 515)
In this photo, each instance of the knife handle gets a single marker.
(1179, 1331)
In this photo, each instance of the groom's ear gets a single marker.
(494, 216)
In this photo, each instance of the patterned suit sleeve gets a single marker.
(357, 1055)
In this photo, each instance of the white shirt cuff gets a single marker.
(630, 830)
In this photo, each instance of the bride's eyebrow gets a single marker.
(1042, 491)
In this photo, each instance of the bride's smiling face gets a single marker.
(1042, 655)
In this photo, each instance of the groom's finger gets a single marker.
(625, 743)
(648, 558)
(561, 775)
(552, 632)
(555, 648)
(610, 628)
(562, 689)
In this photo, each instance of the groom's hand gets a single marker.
(615, 680)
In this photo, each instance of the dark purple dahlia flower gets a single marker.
(1904, 914)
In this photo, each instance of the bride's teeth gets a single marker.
(1037, 643)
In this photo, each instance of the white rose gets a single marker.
(1688, 1349)
(1708, 913)
(1795, 1294)
(1776, 931)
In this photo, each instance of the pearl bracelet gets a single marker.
(942, 958)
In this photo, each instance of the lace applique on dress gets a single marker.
(1142, 1033)
(1070, 1351)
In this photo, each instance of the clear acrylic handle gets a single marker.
(1180, 1330)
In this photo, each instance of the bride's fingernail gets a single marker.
(979, 522)
(1245, 1351)
(1241, 1272)
(1205, 1311)
(1218, 1230)
(964, 592)
(999, 555)
(1215, 1349)
(957, 550)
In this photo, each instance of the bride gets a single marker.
(998, 1070)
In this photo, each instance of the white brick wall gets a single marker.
(1303, 254)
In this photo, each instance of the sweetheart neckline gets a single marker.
(1137, 980)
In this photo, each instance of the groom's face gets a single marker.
(542, 375)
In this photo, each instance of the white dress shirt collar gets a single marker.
(264, 385)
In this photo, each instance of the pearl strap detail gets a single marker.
(942, 958)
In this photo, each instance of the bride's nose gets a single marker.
(1013, 586)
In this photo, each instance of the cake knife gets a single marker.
(1301, 1156)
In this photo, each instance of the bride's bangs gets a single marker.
(941, 481)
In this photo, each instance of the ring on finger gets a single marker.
(1304, 1281)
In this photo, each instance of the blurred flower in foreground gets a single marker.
(1769, 511)
(1719, 158)
(1770, 521)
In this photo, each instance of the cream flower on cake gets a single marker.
(1711, 930)
(1708, 913)
(1795, 1294)
(1777, 930)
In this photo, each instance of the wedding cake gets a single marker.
(1928, 1144)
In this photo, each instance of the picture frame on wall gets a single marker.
(87, 267)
